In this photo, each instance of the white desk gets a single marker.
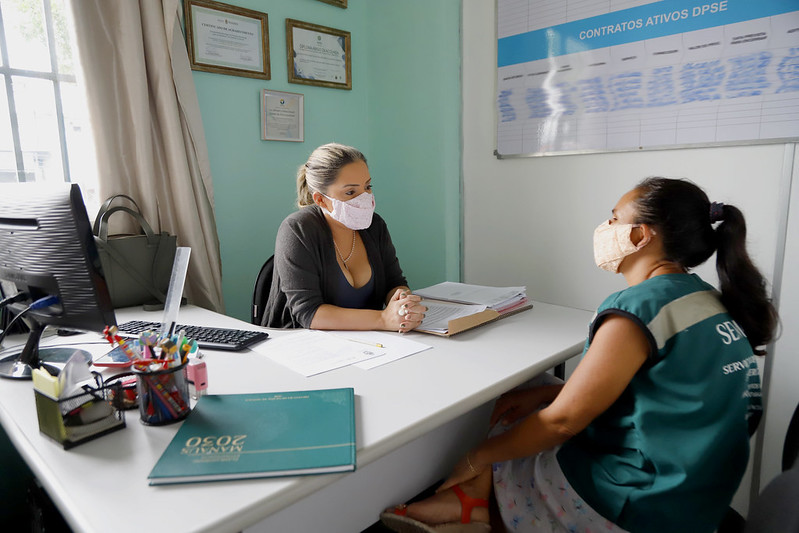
(414, 417)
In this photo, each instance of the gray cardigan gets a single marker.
(306, 268)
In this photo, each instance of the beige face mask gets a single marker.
(612, 243)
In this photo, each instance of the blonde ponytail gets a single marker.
(304, 193)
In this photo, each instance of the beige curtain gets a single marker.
(146, 119)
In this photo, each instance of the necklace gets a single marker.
(352, 251)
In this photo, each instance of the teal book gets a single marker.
(243, 436)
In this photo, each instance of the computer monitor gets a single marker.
(47, 249)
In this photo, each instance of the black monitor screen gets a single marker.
(47, 249)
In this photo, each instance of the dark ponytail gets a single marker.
(683, 216)
(743, 288)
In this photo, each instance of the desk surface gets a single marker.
(98, 483)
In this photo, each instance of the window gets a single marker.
(45, 133)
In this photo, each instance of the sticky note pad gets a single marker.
(46, 383)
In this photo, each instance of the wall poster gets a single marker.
(578, 76)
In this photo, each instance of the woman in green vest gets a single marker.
(651, 431)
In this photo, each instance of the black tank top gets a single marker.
(350, 297)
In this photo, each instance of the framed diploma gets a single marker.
(339, 3)
(282, 116)
(227, 39)
(318, 55)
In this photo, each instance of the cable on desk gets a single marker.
(38, 304)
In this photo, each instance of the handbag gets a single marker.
(138, 267)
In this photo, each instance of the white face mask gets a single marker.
(612, 243)
(357, 213)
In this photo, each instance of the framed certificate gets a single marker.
(227, 39)
(318, 55)
(282, 116)
(339, 3)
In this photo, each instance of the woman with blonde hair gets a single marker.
(335, 265)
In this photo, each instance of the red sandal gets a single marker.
(397, 519)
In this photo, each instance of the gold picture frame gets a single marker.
(338, 3)
(318, 55)
(227, 39)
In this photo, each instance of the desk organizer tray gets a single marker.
(78, 418)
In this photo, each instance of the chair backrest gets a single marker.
(791, 447)
(260, 294)
(775, 510)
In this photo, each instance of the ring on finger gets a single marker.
(402, 312)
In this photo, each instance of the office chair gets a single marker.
(790, 449)
(260, 295)
(775, 509)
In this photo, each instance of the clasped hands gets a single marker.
(404, 311)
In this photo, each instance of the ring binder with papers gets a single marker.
(457, 307)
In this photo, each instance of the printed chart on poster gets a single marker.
(577, 76)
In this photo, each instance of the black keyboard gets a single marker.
(233, 340)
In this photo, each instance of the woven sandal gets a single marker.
(397, 520)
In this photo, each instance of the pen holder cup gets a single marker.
(163, 395)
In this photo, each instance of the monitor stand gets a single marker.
(20, 364)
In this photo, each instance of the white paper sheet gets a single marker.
(310, 352)
(396, 346)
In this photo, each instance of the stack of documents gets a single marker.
(455, 307)
(497, 298)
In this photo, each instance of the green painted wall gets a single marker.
(403, 112)
(415, 127)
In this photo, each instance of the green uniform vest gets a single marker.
(669, 454)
